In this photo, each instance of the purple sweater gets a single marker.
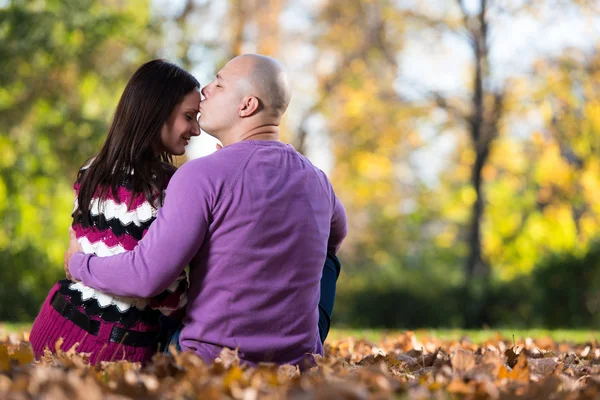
(254, 221)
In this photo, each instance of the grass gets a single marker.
(14, 327)
(476, 336)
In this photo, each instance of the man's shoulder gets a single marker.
(309, 164)
(218, 165)
(225, 157)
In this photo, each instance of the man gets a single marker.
(255, 222)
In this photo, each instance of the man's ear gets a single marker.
(250, 105)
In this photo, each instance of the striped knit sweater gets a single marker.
(117, 224)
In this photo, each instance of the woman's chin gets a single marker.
(178, 152)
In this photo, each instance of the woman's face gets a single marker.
(181, 125)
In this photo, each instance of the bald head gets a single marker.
(266, 79)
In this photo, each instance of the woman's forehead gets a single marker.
(191, 100)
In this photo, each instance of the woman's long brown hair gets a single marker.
(150, 96)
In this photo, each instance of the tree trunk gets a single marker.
(482, 134)
(475, 265)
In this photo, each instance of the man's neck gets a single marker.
(264, 132)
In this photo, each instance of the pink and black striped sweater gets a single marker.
(116, 225)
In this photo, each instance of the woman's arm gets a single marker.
(171, 242)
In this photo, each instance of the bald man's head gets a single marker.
(249, 90)
(266, 79)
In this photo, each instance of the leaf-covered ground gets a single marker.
(404, 365)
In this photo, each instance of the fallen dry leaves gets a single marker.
(402, 366)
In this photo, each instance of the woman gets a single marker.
(118, 194)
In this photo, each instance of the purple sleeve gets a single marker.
(170, 243)
(339, 227)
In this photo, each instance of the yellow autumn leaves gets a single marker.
(397, 366)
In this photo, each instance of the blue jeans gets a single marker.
(175, 339)
(331, 272)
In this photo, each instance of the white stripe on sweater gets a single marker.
(99, 248)
(122, 303)
(103, 299)
(110, 209)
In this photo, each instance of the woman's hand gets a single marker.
(74, 247)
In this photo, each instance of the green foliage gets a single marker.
(563, 291)
(544, 191)
(26, 284)
(63, 65)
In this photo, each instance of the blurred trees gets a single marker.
(476, 114)
(544, 191)
(63, 67)
(540, 191)
(519, 210)
(372, 133)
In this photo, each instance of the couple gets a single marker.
(256, 222)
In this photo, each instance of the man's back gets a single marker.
(254, 284)
(254, 221)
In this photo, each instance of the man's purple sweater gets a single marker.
(254, 221)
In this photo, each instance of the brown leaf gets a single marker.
(4, 358)
(430, 359)
(371, 360)
(519, 373)
(457, 386)
(490, 363)
(349, 370)
(511, 357)
(341, 391)
(228, 358)
(463, 360)
(544, 389)
(234, 375)
(287, 372)
(23, 354)
(543, 366)
(545, 343)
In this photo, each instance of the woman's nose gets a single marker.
(195, 129)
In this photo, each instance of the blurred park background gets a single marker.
(462, 137)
